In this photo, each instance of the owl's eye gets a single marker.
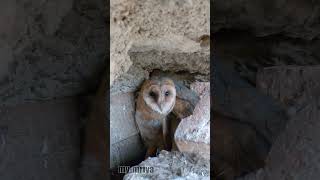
(167, 93)
(152, 94)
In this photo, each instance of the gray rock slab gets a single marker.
(125, 141)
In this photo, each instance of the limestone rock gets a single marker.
(174, 53)
(193, 132)
(172, 165)
(139, 21)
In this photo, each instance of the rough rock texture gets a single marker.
(193, 132)
(173, 165)
(297, 19)
(236, 98)
(50, 49)
(252, 35)
(136, 21)
(40, 141)
(295, 153)
(95, 138)
(237, 148)
(174, 54)
(248, 53)
(147, 35)
(125, 142)
(294, 86)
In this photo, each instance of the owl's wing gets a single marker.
(186, 100)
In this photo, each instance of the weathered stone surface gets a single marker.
(129, 81)
(174, 53)
(40, 141)
(193, 132)
(173, 165)
(13, 21)
(50, 49)
(294, 155)
(6, 58)
(236, 98)
(249, 53)
(237, 148)
(125, 142)
(139, 21)
(292, 85)
(294, 18)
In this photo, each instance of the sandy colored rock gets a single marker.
(139, 21)
(172, 165)
(174, 53)
(193, 132)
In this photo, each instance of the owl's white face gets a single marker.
(160, 96)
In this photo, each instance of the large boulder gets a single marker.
(193, 133)
(294, 154)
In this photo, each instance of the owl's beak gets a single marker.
(159, 100)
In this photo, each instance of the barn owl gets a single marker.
(155, 101)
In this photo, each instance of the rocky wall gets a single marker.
(148, 35)
(40, 140)
(251, 37)
(147, 20)
(51, 51)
